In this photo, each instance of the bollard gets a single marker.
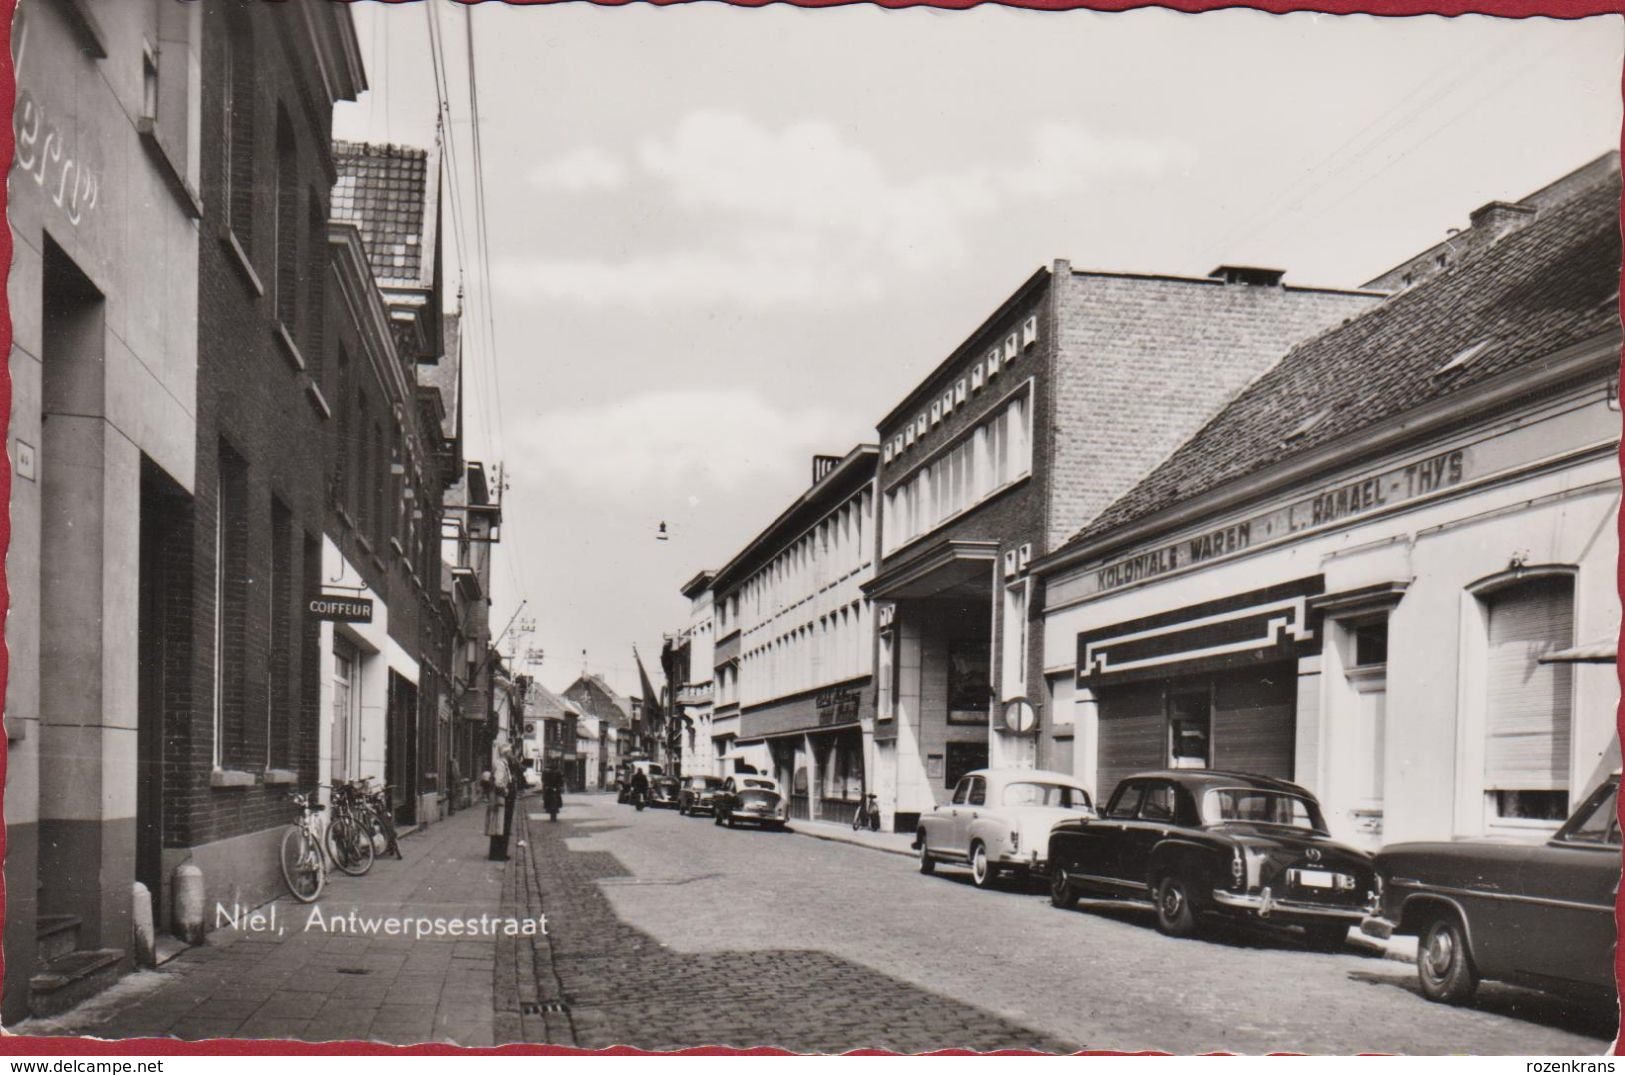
(189, 903)
(146, 943)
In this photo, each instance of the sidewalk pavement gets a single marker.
(310, 980)
(896, 843)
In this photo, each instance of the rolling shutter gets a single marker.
(1133, 734)
(1528, 704)
(1255, 721)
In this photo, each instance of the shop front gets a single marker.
(1207, 686)
(815, 743)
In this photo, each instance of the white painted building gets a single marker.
(1386, 570)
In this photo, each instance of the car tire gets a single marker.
(928, 865)
(984, 872)
(1175, 915)
(1444, 965)
(1061, 892)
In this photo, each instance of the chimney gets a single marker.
(1495, 219)
(822, 466)
(1250, 275)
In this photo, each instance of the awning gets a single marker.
(1600, 652)
(938, 569)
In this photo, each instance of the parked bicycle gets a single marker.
(868, 815)
(304, 865)
(350, 830)
(382, 811)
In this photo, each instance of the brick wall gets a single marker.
(253, 396)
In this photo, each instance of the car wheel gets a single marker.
(983, 871)
(1175, 915)
(1061, 892)
(928, 865)
(1327, 936)
(1444, 966)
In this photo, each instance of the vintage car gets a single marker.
(999, 819)
(698, 795)
(1199, 842)
(663, 791)
(1533, 914)
(749, 797)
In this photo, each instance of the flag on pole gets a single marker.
(651, 698)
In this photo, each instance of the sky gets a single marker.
(722, 240)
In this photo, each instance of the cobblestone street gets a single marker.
(667, 931)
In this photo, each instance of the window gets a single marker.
(231, 582)
(1527, 704)
(284, 225)
(1260, 807)
(979, 464)
(1371, 644)
(280, 594)
(1126, 801)
(315, 286)
(1599, 824)
(237, 126)
(1158, 804)
(1190, 717)
(1029, 793)
(977, 796)
(1014, 671)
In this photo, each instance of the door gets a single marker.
(1133, 734)
(975, 805)
(939, 824)
(345, 696)
(1103, 844)
(1567, 931)
(1140, 835)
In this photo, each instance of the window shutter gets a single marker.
(1528, 704)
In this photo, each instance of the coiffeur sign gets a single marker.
(340, 609)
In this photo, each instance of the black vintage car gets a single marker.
(698, 795)
(1537, 914)
(1199, 842)
(663, 791)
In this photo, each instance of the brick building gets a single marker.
(247, 731)
(1386, 569)
(472, 523)
(104, 490)
(794, 626)
(620, 730)
(390, 463)
(1050, 409)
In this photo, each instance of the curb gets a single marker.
(841, 838)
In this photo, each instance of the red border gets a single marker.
(13, 1045)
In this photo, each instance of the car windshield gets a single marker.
(765, 785)
(1031, 793)
(1260, 807)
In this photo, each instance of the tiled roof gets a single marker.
(544, 703)
(1551, 284)
(384, 191)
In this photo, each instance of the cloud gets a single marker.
(684, 443)
(802, 215)
(583, 169)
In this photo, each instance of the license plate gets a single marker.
(1315, 878)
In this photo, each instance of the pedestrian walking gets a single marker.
(494, 786)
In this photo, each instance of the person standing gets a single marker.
(495, 785)
(516, 787)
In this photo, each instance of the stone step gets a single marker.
(55, 935)
(67, 980)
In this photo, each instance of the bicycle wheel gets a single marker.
(394, 843)
(373, 833)
(302, 864)
(349, 847)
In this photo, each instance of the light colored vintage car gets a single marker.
(751, 797)
(1000, 819)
